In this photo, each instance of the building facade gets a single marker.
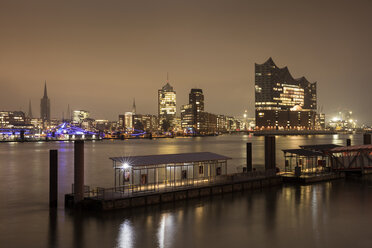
(320, 122)
(281, 101)
(166, 104)
(45, 106)
(187, 118)
(128, 121)
(194, 120)
(12, 119)
(192, 114)
(147, 123)
(121, 123)
(79, 115)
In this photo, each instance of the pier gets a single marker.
(108, 199)
(154, 179)
(157, 179)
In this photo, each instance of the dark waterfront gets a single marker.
(332, 214)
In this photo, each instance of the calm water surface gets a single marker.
(332, 214)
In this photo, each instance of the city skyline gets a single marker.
(101, 59)
(173, 123)
(335, 114)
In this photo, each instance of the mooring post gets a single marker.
(249, 156)
(348, 142)
(53, 178)
(78, 171)
(268, 153)
(366, 139)
(273, 153)
(270, 156)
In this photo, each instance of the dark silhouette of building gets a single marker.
(45, 106)
(281, 101)
(192, 113)
(29, 110)
(193, 117)
(196, 99)
(69, 114)
(134, 108)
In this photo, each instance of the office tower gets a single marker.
(145, 122)
(193, 117)
(167, 104)
(128, 121)
(12, 119)
(121, 121)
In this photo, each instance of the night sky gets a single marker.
(99, 55)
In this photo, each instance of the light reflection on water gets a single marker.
(320, 215)
(286, 216)
(165, 230)
(126, 235)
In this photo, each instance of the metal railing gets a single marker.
(177, 185)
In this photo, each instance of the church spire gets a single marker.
(68, 112)
(134, 106)
(29, 109)
(45, 91)
(45, 105)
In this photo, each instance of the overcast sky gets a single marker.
(99, 55)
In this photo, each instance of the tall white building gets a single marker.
(128, 121)
(167, 104)
(79, 115)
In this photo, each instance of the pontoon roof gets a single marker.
(170, 158)
(352, 148)
(321, 147)
(303, 152)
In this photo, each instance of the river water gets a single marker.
(331, 214)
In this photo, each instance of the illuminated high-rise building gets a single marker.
(122, 121)
(193, 117)
(79, 115)
(167, 104)
(45, 106)
(11, 119)
(128, 121)
(281, 101)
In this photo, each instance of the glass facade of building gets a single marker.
(167, 104)
(281, 101)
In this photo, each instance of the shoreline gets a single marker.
(256, 133)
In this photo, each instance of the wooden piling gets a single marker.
(53, 178)
(78, 171)
(249, 157)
